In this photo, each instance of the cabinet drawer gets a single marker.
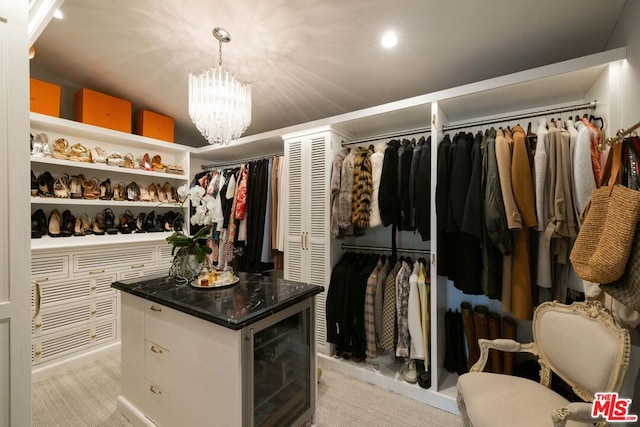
(47, 267)
(164, 255)
(157, 404)
(79, 288)
(55, 345)
(135, 273)
(51, 319)
(159, 365)
(160, 324)
(121, 258)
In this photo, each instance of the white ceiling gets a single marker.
(310, 59)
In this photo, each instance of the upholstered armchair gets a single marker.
(579, 342)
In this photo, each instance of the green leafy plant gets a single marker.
(191, 245)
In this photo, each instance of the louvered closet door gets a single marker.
(318, 227)
(294, 257)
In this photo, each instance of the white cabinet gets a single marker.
(307, 241)
(74, 307)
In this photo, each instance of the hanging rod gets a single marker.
(234, 163)
(583, 106)
(382, 248)
(387, 136)
(612, 140)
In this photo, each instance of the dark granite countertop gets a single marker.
(254, 298)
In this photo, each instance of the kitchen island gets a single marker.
(239, 356)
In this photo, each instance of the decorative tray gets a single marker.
(216, 285)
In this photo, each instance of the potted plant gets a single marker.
(190, 252)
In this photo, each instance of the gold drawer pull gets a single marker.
(154, 391)
(93, 288)
(93, 312)
(154, 308)
(38, 353)
(38, 325)
(44, 279)
(137, 266)
(97, 271)
(155, 350)
(93, 337)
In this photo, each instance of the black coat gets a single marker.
(405, 155)
(388, 200)
(442, 207)
(422, 193)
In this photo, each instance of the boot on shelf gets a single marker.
(460, 353)
(449, 362)
(509, 330)
(470, 333)
(481, 322)
(495, 356)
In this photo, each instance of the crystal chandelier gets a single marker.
(219, 104)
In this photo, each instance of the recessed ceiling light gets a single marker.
(58, 14)
(389, 39)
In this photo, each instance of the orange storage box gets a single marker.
(95, 108)
(154, 125)
(44, 98)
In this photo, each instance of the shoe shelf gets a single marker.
(99, 202)
(47, 242)
(72, 128)
(83, 166)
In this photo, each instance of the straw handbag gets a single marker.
(602, 247)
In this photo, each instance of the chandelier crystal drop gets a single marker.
(219, 104)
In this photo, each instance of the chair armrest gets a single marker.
(500, 344)
(575, 411)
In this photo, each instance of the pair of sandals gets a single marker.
(76, 153)
(61, 225)
(40, 145)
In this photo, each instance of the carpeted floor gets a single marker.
(86, 396)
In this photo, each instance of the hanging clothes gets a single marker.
(422, 191)
(402, 308)
(362, 191)
(389, 336)
(444, 243)
(405, 155)
(336, 174)
(377, 161)
(388, 199)
(346, 195)
(416, 344)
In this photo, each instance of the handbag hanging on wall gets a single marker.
(604, 242)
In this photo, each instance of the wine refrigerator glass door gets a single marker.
(282, 373)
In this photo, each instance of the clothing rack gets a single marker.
(382, 248)
(390, 135)
(612, 140)
(588, 105)
(236, 163)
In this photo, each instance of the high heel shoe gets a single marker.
(162, 195)
(153, 192)
(98, 225)
(68, 224)
(82, 226)
(119, 192)
(150, 222)
(146, 163)
(128, 161)
(45, 185)
(60, 187)
(127, 222)
(90, 188)
(169, 193)
(106, 193)
(157, 165)
(55, 223)
(140, 223)
(133, 192)
(34, 185)
(110, 221)
(38, 224)
(144, 195)
(75, 186)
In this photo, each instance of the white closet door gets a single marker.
(15, 336)
(318, 228)
(294, 254)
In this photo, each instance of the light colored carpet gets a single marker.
(86, 396)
